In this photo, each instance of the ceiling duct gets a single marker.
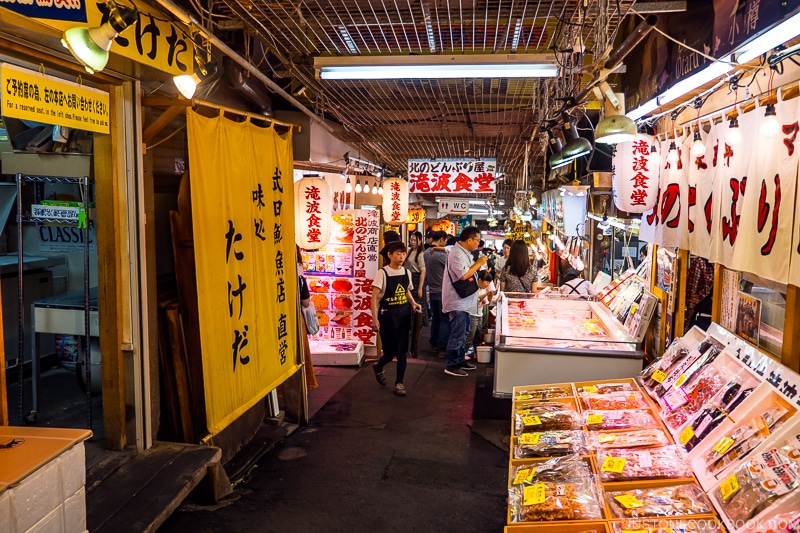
(246, 86)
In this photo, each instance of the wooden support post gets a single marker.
(3, 387)
(681, 270)
(790, 351)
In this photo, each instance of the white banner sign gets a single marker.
(452, 176)
(55, 211)
(456, 206)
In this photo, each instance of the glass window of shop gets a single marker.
(754, 308)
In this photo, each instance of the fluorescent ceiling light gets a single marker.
(786, 30)
(711, 72)
(642, 110)
(436, 66)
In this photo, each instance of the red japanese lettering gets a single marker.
(652, 218)
(362, 303)
(640, 147)
(639, 164)
(730, 226)
(669, 200)
(638, 197)
(639, 180)
(463, 182)
(363, 320)
(716, 153)
(789, 141)
(700, 162)
(312, 193)
(314, 235)
(419, 182)
(364, 286)
(484, 181)
(364, 335)
(442, 183)
(728, 155)
(692, 203)
(763, 213)
(707, 211)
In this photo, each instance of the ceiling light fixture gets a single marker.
(576, 146)
(734, 136)
(642, 110)
(374, 188)
(615, 129)
(90, 46)
(711, 72)
(358, 185)
(770, 126)
(672, 155)
(348, 187)
(436, 66)
(698, 148)
(783, 32)
(187, 83)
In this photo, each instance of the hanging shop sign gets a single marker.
(340, 277)
(71, 10)
(313, 210)
(243, 214)
(634, 175)
(151, 41)
(395, 201)
(452, 176)
(456, 206)
(30, 95)
(415, 216)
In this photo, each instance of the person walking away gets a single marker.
(460, 266)
(485, 293)
(392, 305)
(575, 285)
(435, 263)
(501, 261)
(518, 274)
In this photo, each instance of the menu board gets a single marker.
(340, 277)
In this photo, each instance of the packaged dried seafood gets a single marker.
(571, 468)
(632, 418)
(645, 463)
(550, 443)
(655, 374)
(546, 501)
(764, 478)
(606, 388)
(614, 401)
(666, 526)
(544, 392)
(682, 403)
(537, 417)
(634, 438)
(676, 500)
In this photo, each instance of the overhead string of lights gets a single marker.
(365, 169)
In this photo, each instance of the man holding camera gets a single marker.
(461, 267)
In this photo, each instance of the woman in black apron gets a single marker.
(391, 314)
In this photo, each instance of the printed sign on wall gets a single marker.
(30, 95)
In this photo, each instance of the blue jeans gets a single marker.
(459, 324)
(440, 323)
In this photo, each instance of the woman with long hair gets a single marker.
(518, 274)
(415, 263)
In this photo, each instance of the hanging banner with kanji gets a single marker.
(243, 213)
(340, 277)
(452, 176)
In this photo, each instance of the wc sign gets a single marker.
(454, 207)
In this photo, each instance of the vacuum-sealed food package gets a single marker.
(675, 500)
(682, 403)
(643, 463)
(537, 417)
(556, 470)
(606, 388)
(632, 438)
(666, 526)
(765, 477)
(546, 501)
(550, 443)
(544, 392)
(614, 401)
(632, 418)
(655, 374)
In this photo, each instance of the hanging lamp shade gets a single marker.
(90, 46)
(615, 129)
(576, 146)
(556, 159)
(395, 201)
(313, 213)
(635, 175)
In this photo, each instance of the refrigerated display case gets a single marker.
(555, 340)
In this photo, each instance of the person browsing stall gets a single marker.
(461, 267)
(392, 305)
(518, 274)
(575, 285)
(435, 263)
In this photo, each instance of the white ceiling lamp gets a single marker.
(436, 66)
(642, 110)
(770, 125)
(698, 147)
(785, 31)
(698, 79)
(734, 136)
(187, 83)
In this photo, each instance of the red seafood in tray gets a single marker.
(342, 285)
(342, 303)
(341, 319)
(318, 285)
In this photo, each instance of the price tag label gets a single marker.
(531, 421)
(723, 445)
(659, 376)
(628, 501)
(676, 398)
(607, 438)
(686, 435)
(524, 396)
(594, 419)
(729, 487)
(613, 464)
(590, 389)
(529, 438)
(524, 475)
(534, 494)
(680, 381)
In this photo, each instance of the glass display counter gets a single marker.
(556, 340)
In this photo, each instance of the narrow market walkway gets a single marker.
(434, 461)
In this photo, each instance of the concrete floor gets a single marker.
(369, 461)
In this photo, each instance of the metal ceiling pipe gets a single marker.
(188, 19)
(615, 59)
